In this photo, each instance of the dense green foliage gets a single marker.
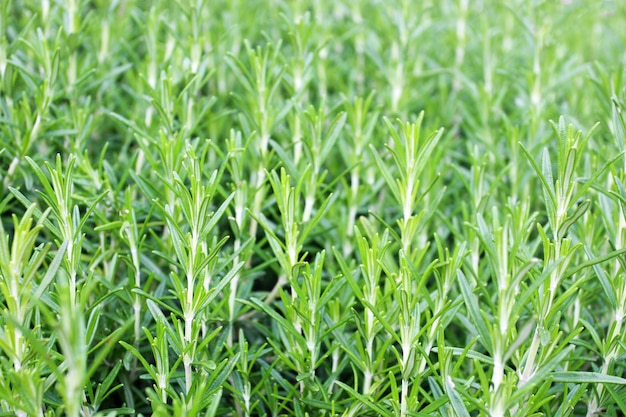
(322, 208)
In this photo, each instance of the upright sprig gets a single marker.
(196, 282)
(242, 380)
(299, 72)
(73, 283)
(263, 109)
(360, 124)
(295, 229)
(238, 219)
(58, 194)
(21, 282)
(564, 206)
(612, 207)
(131, 233)
(366, 283)
(300, 329)
(318, 145)
(303, 307)
(196, 287)
(411, 155)
(395, 59)
(610, 345)
(501, 271)
(27, 117)
(562, 199)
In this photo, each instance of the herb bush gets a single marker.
(312, 208)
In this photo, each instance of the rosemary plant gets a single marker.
(312, 208)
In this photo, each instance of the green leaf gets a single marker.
(471, 303)
(284, 323)
(587, 378)
(544, 174)
(51, 273)
(580, 210)
(618, 396)
(386, 173)
(455, 399)
(365, 400)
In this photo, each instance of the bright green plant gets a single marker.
(312, 208)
